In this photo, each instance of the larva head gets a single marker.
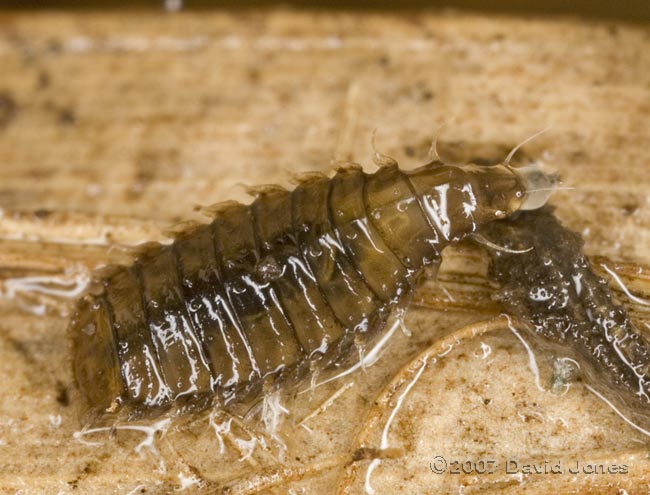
(538, 185)
(459, 199)
(503, 189)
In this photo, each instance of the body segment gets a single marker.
(266, 291)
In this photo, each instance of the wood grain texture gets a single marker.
(115, 126)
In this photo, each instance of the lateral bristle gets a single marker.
(106, 272)
(346, 166)
(213, 210)
(180, 228)
(307, 177)
(263, 190)
(121, 255)
(146, 249)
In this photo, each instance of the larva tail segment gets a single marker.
(97, 371)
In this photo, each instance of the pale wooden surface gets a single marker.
(120, 124)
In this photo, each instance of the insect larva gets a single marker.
(267, 291)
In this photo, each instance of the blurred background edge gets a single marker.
(636, 11)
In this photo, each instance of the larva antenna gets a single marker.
(378, 158)
(518, 147)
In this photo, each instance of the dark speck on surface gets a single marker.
(384, 60)
(43, 80)
(42, 213)
(8, 109)
(67, 116)
(62, 396)
(630, 209)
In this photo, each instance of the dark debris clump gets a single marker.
(553, 287)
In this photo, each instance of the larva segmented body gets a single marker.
(266, 290)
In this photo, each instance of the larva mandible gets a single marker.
(267, 290)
